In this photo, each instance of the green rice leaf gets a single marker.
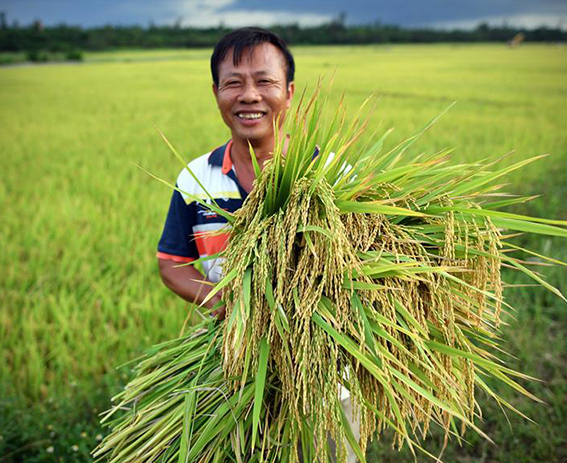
(485, 178)
(493, 214)
(260, 385)
(535, 277)
(185, 165)
(220, 285)
(188, 417)
(212, 206)
(530, 227)
(376, 208)
(350, 436)
(257, 170)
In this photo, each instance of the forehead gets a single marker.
(263, 57)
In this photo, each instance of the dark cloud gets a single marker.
(416, 12)
(209, 12)
(84, 12)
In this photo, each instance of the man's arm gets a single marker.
(188, 283)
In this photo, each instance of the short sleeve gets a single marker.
(176, 241)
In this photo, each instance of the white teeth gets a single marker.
(250, 115)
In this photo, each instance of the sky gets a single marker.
(236, 13)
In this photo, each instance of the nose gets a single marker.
(250, 93)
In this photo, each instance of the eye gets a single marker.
(232, 83)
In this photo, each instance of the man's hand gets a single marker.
(221, 311)
(188, 283)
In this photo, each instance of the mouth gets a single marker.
(250, 115)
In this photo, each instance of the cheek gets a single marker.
(279, 98)
(225, 100)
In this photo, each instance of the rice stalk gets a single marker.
(355, 268)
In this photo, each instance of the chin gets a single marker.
(254, 135)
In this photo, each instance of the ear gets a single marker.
(290, 92)
(215, 89)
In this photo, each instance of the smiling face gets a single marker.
(251, 95)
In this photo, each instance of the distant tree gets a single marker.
(341, 18)
(62, 38)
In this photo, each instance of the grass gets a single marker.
(80, 292)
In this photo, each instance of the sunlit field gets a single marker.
(79, 222)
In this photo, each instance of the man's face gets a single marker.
(251, 95)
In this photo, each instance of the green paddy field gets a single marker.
(79, 223)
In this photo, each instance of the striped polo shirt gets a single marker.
(191, 230)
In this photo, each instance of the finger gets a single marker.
(219, 313)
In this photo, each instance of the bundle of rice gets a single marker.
(351, 269)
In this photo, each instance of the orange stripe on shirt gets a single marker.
(209, 243)
(165, 256)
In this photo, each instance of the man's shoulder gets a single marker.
(199, 162)
(204, 170)
(199, 167)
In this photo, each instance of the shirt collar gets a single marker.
(221, 157)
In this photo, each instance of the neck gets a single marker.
(240, 152)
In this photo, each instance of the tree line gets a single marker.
(62, 38)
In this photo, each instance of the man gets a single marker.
(253, 74)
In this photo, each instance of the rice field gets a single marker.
(80, 293)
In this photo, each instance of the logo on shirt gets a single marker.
(206, 213)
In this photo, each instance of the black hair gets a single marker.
(248, 38)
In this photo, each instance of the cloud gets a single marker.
(203, 13)
(257, 18)
(526, 20)
(416, 13)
